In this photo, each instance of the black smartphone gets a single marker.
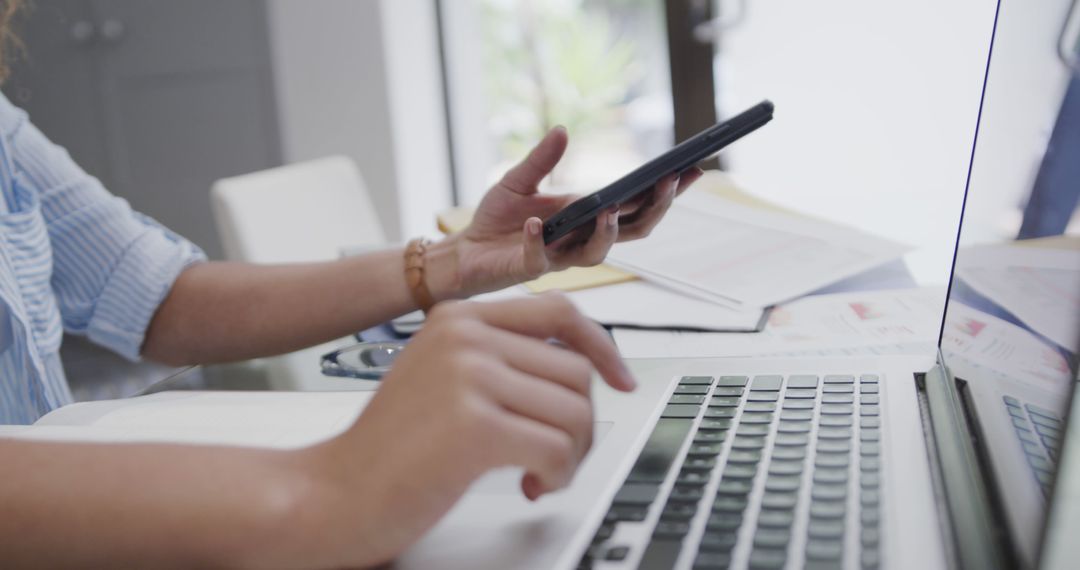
(679, 159)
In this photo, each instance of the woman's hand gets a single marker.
(504, 244)
(480, 387)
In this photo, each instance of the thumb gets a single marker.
(523, 178)
(535, 259)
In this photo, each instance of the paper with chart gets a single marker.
(985, 341)
(1035, 284)
(873, 322)
(726, 252)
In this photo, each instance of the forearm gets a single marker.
(220, 312)
(144, 505)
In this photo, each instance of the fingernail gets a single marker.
(613, 218)
(534, 226)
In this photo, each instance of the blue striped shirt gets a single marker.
(73, 258)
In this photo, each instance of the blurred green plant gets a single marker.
(554, 62)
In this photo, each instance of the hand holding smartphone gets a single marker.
(683, 156)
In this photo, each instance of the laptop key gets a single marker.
(793, 427)
(835, 421)
(870, 399)
(868, 388)
(837, 409)
(752, 429)
(870, 481)
(756, 418)
(776, 519)
(869, 498)
(739, 472)
(739, 487)
(797, 415)
(870, 449)
(710, 436)
(827, 509)
(826, 529)
(724, 391)
(798, 404)
(729, 504)
(696, 389)
(772, 538)
(838, 389)
(680, 411)
(779, 501)
(870, 434)
(686, 399)
(760, 407)
(837, 398)
(660, 450)
(830, 475)
(839, 379)
(723, 522)
(866, 410)
(718, 542)
(671, 529)
(784, 467)
(712, 561)
(834, 432)
(686, 494)
(834, 445)
(617, 553)
(744, 456)
(620, 513)
(870, 464)
(791, 439)
(767, 382)
(767, 558)
(782, 483)
(689, 477)
(660, 554)
(705, 449)
(832, 460)
(714, 424)
(801, 393)
(869, 422)
(720, 413)
(869, 378)
(678, 512)
(825, 492)
(706, 380)
(636, 494)
(730, 381)
(725, 401)
(763, 396)
(802, 381)
(818, 549)
(786, 452)
(748, 442)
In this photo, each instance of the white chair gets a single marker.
(302, 212)
(305, 211)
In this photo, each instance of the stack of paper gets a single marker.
(744, 257)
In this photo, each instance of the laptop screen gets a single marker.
(1012, 326)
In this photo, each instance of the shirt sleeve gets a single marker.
(112, 266)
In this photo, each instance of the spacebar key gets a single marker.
(660, 450)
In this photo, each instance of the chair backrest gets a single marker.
(305, 211)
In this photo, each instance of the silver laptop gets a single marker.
(883, 462)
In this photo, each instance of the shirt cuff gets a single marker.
(136, 288)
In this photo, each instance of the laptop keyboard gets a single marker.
(1039, 431)
(780, 472)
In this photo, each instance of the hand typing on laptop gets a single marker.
(479, 388)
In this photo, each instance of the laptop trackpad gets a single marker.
(508, 479)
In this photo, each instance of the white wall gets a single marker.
(876, 104)
(360, 78)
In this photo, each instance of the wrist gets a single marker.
(442, 269)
